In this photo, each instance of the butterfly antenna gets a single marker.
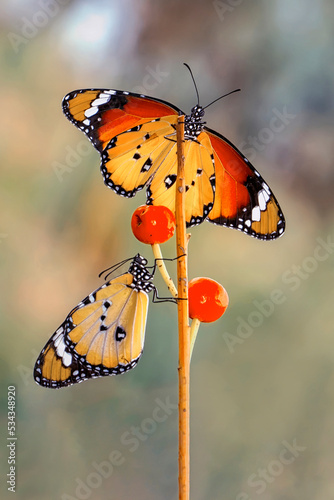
(229, 93)
(113, 268)
(193, 79)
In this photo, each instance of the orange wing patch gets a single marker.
(243, 200)
(102, 114)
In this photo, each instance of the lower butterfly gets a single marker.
(136, 138)
(103, 335)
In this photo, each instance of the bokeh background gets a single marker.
(262, 376)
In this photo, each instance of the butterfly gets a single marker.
(136, 138)
(104, 334)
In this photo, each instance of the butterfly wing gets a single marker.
(136, 137)
(56, 367)
(103, 335)
(103, 114)
(243, 200)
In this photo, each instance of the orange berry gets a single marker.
(208, 299)
(153, 224)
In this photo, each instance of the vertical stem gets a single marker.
(183, 325)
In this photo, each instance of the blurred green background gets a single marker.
(262, 376)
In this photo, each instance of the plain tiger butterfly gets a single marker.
(104, 334)
(136, 138)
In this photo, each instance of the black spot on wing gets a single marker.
(147, 165)
(170, 180)
(120, 334)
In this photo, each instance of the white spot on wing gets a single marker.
(67, 358)
(256, 214)
(101, 100)
(61, 348)
(263, 197)
(59, 338)
(266, 187)
(91, 111)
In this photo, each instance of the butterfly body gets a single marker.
(193, 124)
(136, 138)
(103, 335)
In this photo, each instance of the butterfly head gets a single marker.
(140, 260)
(197, 113)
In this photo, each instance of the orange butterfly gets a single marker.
(136, 137)
(104, 334)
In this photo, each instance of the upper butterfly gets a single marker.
(136, 137)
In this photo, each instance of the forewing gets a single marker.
(103, 113)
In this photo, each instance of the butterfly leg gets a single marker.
(158, 300)
(163, 258)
